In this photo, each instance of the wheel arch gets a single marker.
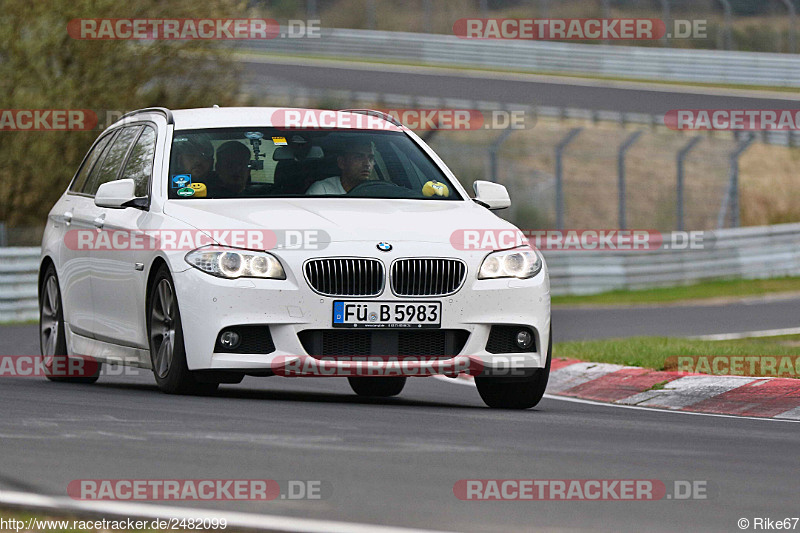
(46, 263)
(158, 262)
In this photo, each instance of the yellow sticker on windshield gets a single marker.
(279, 141)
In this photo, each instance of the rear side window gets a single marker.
(140, 163)
(89, 163)
(109, 169)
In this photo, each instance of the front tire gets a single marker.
(167, 350)
(377, 387)
(52, 337)
(500, 393)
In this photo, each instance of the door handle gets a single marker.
(100, 221)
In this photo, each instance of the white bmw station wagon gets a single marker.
(213, 244)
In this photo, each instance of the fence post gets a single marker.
(621, 176)
(665, 16)
(311, 9)
(493, 149)
(560, 148)
(544, 9)
(372, 18)
(727, 37)
(3, 235)
(793, 28)
(427, 10)
(731, 198)
(606, 13)
(683, 153)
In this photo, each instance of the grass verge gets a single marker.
(652, 352)
(700, 291)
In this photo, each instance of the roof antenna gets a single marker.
(215, 106)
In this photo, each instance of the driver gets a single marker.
(232, 171)
(356, 164)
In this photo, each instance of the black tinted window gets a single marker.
(140, 163)
(89, 163)
(109, 169)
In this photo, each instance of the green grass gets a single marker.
(519, 71)
(700, 291)
(652, 352)
(18, 322)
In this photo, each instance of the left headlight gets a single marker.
(519, 263)
(231, 263)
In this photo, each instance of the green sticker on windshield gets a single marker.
(186, 191)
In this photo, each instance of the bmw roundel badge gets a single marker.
(384, 247)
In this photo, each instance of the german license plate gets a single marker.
(370, 314)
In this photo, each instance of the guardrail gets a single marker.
(703, 66)
(746, 253)
(19, 271)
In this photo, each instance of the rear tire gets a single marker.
(377, 387)
(501, 393)
(167, 350)
(52, 336)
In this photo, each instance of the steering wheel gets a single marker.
(375, 187)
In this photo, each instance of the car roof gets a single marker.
(231, 117)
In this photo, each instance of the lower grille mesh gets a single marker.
(444, 343)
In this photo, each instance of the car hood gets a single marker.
(341, 220)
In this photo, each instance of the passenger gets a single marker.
(195, 156)
(356, 165)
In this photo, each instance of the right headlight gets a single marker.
(519, 263)
(232, 263)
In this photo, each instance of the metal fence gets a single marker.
(619, 170)
(687, 65)
(741, 253)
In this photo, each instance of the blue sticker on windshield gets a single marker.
(181, 180)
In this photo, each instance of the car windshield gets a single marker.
(269, 162)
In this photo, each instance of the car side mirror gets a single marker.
(115, 194)
(491, 195)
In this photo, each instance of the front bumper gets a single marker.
(209, 304)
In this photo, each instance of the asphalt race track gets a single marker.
(492, 87)
(674, 321)
(394, 462)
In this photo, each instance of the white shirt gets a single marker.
(332, 185)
